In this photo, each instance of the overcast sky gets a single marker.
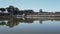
(46, 5)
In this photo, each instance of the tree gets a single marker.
(11, 9)
(16, 9)
(28, 11)
(2, 9)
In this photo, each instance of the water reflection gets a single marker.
(15, 21)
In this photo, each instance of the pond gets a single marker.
(29, 26)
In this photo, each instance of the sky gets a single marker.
(46, 5)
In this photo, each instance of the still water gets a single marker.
(29, 26)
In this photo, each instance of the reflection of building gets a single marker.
(40, 21)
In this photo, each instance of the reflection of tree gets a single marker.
(9, 23)
(12, 24)
(26, 20)
(2, 23)
(16, 21)
(57, 20)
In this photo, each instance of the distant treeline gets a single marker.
(16, 11)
